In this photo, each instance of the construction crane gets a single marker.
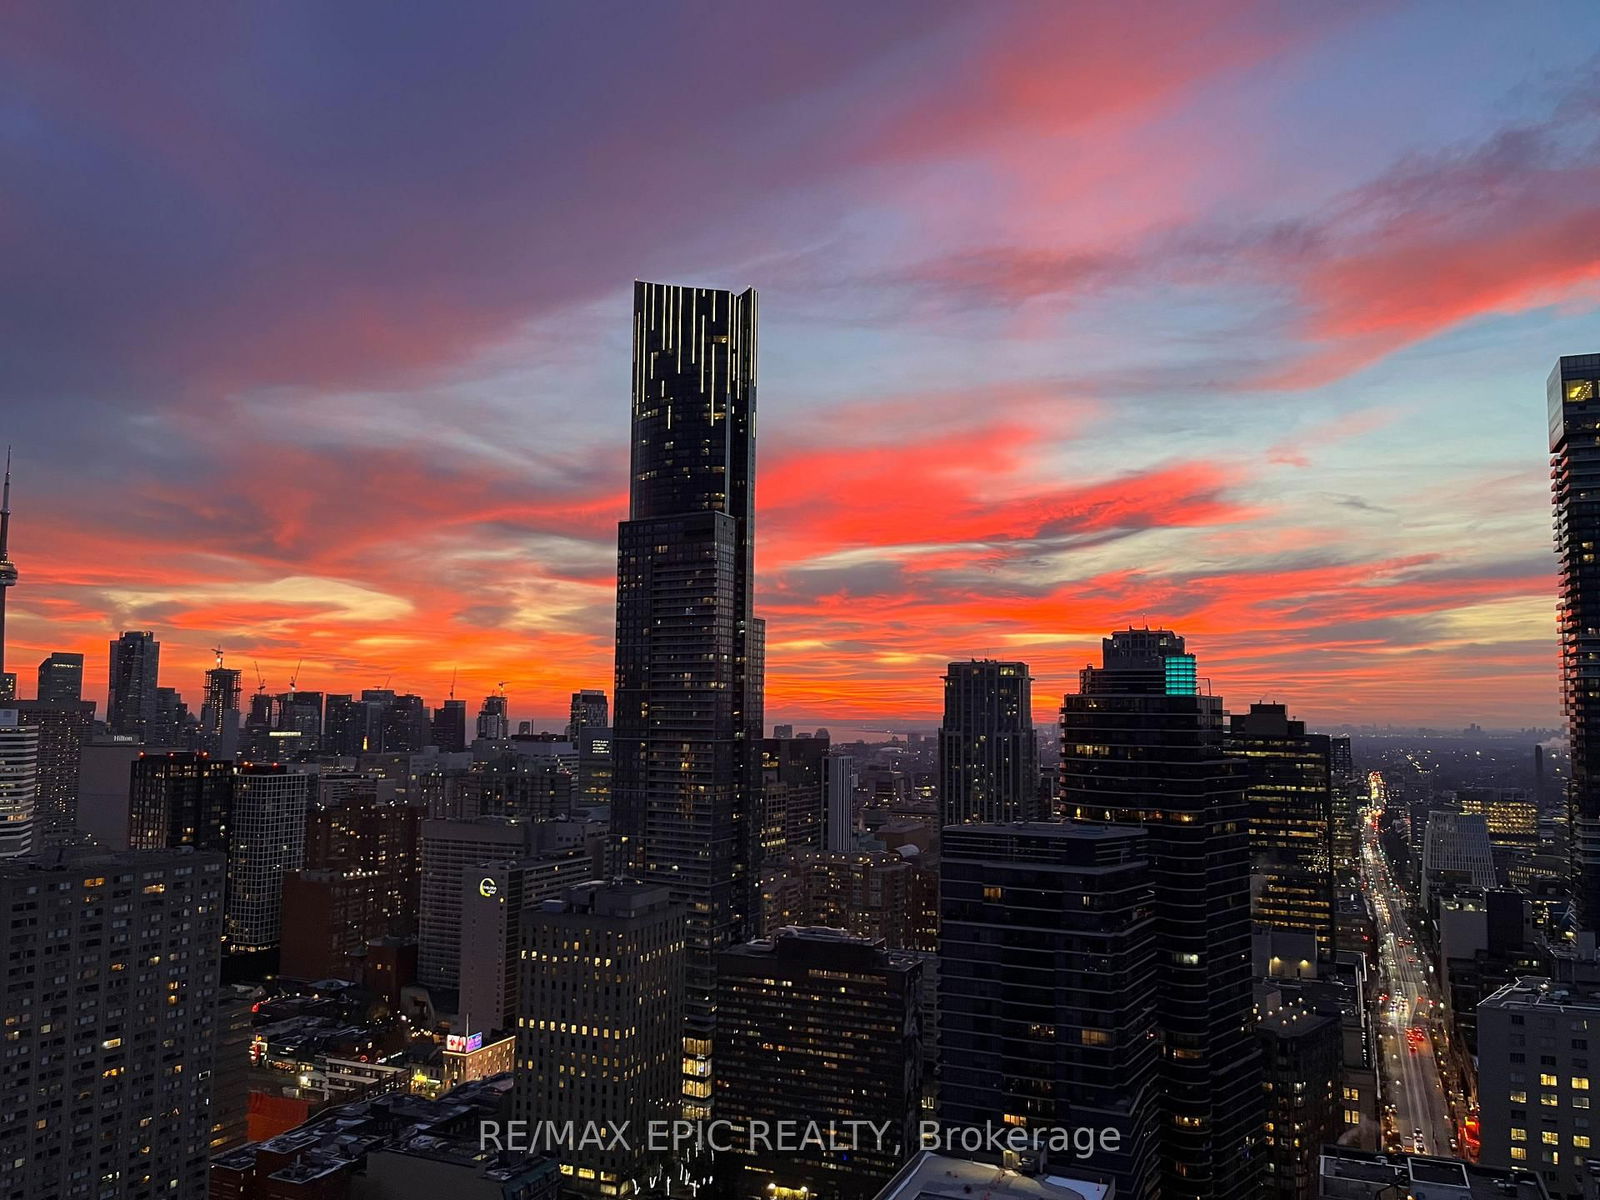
(217, 650)
(261, 681)
(453, 671)
(296, 675)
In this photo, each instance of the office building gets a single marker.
(1289, 793)
(450, 726)
(1347, 790)
(600, 1027)
(179, 799)
(1535, 1056)
(19, 784)
(60, 679)
(496, 898)
(593, 782)
(266, 841)
(688, 715)
(1140, 745)
(1047, 987)
(591, 709)
(64, 727)
(988, 752)
(1456, 852)
(131, 690)
(111, 1025)
(1573, 400)
(817, 1025)
(453, 848)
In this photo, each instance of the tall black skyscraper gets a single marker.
(1289, 791)
(689, 651)
(1047, 982)
(61, 679)
(1573, 394)
(131, 692)
(1141, 746)
(988, 752)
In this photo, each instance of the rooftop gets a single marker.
(1534, 991)
(1348, 1174)
(931, 1175)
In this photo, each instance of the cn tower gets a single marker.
(8, 579)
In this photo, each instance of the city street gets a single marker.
(1406, 1018)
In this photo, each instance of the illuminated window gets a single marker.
(1518, 1152)
(1550, 1137)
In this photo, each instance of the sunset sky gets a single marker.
(1231, 317)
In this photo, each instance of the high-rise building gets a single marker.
(364, 829)
(1534, 1080)
(1047, 981)
(299, 714)
(19, 784)
(131, 691)
(496, 898)
(219, 712)
(180, 799)
(111, 1027)
(61, 679)
(817, 1025)
(451, 849)
(1341, 769)
(600, 1027)
(590, 710)
(688, 714)
(988, 751)
(450, 726)
(174, 727)
(64, 727)
(493, 722)
(1140, 745)
(840, 790)
(1573, 400)
(1301, 1053)
(1289, 791)
(1456, 851)
(266, 841)
(792, 781)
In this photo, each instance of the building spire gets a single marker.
(8, 580)
(5, 510)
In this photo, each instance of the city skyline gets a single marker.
(1035, 365)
